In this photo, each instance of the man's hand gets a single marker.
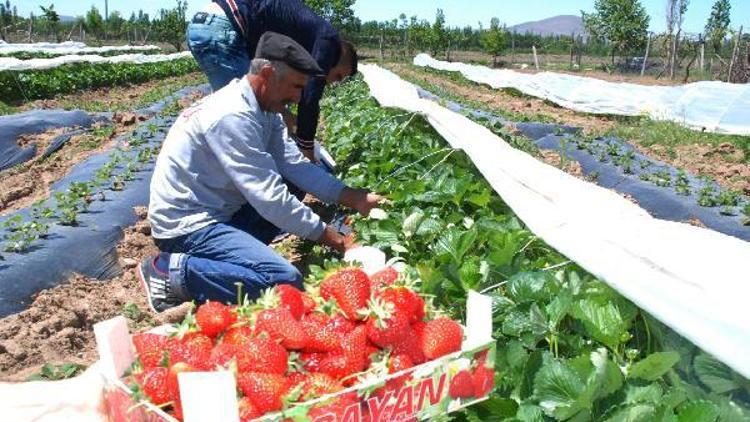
(360, 200)
(336, 241)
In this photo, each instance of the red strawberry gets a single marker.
(399, 363)
(262, 354)
(155, 385)
(312, 361)
(291, 298)
(223, 353)
(248, 411)
(350, 287)
(213, 318)
(280, 324)
(481, 357)
(295, 378)
(193, 348)
(316, 385)
(382, 278)
(406, 301)
(150, 348)
(308, 302)
(350, 358)
(238, 336)
(321, 333)
(411, 345)
(265, 391)
(462, 385)
(441, 336)
(483, 380)
(387, 329)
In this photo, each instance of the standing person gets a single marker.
(218, 195)
(224, 35)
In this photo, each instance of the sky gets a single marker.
(457, 12)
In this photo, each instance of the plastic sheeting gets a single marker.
(661, 202)
(692, 279)
(12, 63)
(31, 122)
(713, 106)
(89, 248)
(69, 47)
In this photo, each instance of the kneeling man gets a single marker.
(219, 192)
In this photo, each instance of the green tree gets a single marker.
(718, 24)
(622, 23)
(94, 22)
(338, 12)
(493, 40)
(171, 25)
(438, 35)
(53, 21)
(115, 25)
(6, 19)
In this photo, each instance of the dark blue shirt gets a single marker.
(252, 18)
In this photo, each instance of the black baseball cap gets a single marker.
(275, 46)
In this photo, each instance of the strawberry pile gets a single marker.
(293, 346)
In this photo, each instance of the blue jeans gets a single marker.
(219, 50)
(206, 264)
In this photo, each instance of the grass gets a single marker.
(51, 372)
(645, 131)
(447, 94)
(671, 135)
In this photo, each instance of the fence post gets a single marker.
(536, 59)
(703, 55)
(734, 54)
(382, 53)
(512, 48)
(645, 56)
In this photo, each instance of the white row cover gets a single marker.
(692, 279)
(12, 63)
(69, 47)
(713, 106)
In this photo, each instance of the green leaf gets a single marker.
(698, 411)
(654, 365)
(634, 413)
(528, 286)
(411, 223)
(530, 413)
(559, 307)
(602, 321)
(651, 394)
(498, 408)
(530, 370)
(516, 354)
(558, 387)
(717, 376)
(429, 226)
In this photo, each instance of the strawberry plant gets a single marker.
(28, 85)
(682, 183)
(68, 206)
(569, 347)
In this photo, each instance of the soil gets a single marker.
(725, 163)
(58, 326)
(22, 185)
(501, 100)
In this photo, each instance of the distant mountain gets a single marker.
(67, 18)
(556, 25)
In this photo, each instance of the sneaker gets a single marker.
(156, 285)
